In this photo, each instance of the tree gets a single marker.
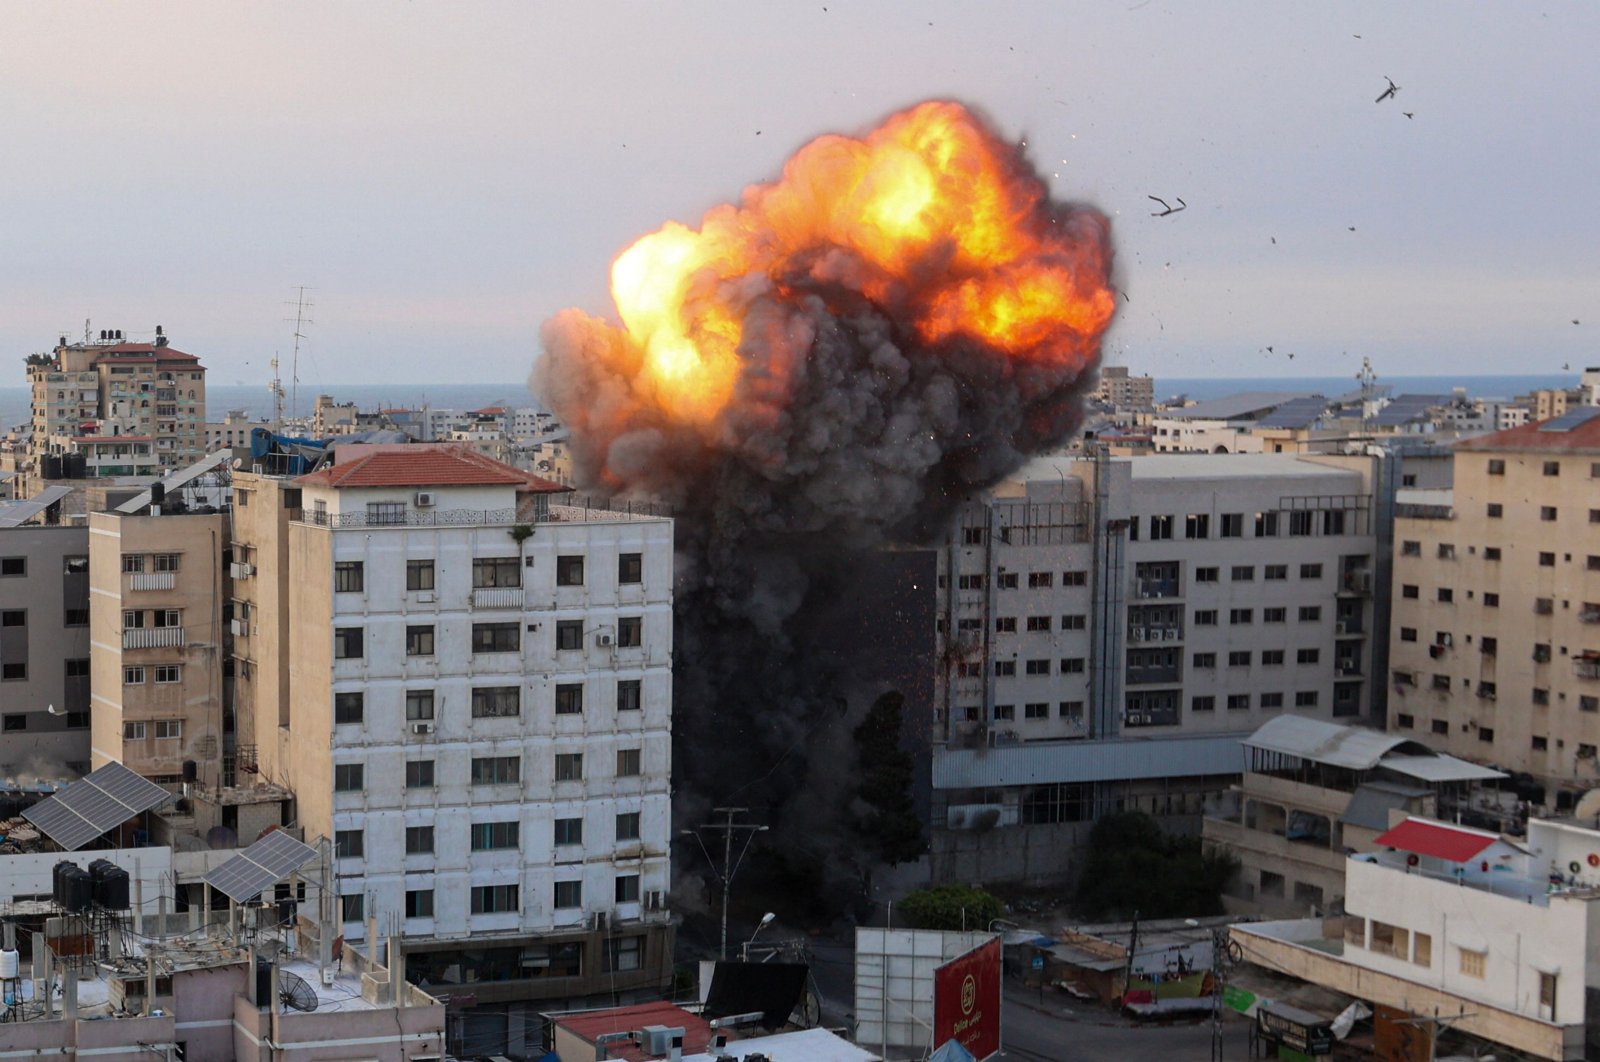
(1133, 866)
(950, 907)
(885, 817)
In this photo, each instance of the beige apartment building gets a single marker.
(1495, 651)
(1121, 390)
(157, 593)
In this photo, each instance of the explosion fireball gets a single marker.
(829, 366)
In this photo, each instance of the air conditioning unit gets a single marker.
(600, 920)
(422, 728)
(602, 640)
(1341, 627)
(239, 628)
(1446, 639)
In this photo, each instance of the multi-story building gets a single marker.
(131, 407)
(468, 687)
(158, 596)
(232, 431)
(1185, 599)
(44, 651)
(1118, 389)
(1495, 653)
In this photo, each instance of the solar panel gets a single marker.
(96, 803)
(1572, 418)
(262, 865)
(1295, 413)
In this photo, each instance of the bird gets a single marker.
(1274, 239)
(1167, 209)
(1409, 114)
(1352, 228)
(1269, 350)
(1390, 91)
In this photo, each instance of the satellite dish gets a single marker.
(222, 837)
(238, 463)
(294, 992)
(1588, 805)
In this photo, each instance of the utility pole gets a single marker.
(730, 865)
(1133, 944)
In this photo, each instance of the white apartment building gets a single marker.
(468, 686)
(1444, 922)
(1111, 628)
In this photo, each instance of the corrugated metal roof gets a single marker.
(1440, 768)
(1357, 748)
(1232, 407)
(1042, 762)
(17, 513)
(1295, 413)
(1404, 409)
(1370, 804)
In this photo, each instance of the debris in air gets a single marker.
(1167, 209)
(1390, 91)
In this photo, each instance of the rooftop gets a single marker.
(1361, 749)
(1577, 431)
(1234, 407)
(588, 1025)
(423, 465)
(1235, 466)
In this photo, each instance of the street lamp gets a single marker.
(766, 920)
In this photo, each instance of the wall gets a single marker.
(29, 874)
(49, 746)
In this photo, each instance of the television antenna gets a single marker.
(301, 309)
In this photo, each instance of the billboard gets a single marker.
(895, 970)
(966, 1001)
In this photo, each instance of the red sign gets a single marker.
(966, 1001)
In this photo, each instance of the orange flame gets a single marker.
(935, 214)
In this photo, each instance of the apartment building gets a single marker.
(44, 651)
(124, 408)
(158, 591)
(468, 686)
(1112, 627)
(1120, 390)
(1453, 928)
(1495, 654)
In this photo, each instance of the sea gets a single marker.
(257, 401)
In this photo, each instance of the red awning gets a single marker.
(1435, 839)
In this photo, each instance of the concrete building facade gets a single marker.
(44, 651)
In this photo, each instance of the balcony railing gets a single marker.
(1586, 668)
(1158, 588)
(151, 637)
(497, 597)
(152, 580)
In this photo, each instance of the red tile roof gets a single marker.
(422, 465)
(1582, 438)
(159, 353)
(1450, 843)
(696, 1031)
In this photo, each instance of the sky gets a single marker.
(443, 177)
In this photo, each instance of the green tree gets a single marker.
(886, 819)
(949, 907)
(1133, 866)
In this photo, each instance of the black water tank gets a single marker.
(111, 891)
(50, 466)
(191, 771)
(75, 466)
(78, 890)
(158, 493)
(58, 888)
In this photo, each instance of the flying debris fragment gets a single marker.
(1388, 92)
(1167, 209)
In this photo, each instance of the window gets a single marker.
(1005, 668)
(1491, 600)
(1202, 704)
(1540, 744)
(1072, 665)
(76, 617)
(1542, 606)
(629, 694)
(1547, 513)
(1038, 623)
(1497, 467)
(624, 953)
(1547, 996)
(1197, 525)
(969, 582)
(568, 894)
(419, 575)
(1487, 691)
(496, 770)
(1305, 699)
(419, 840)
(419, 903)
(1494, 510)
(386, 514)
(1272, 700)
(1547, 560)
(1552, 468)
(1410, 548)
(1075, 578)
(1206, 575)
(630, 568)
(1587, 703)
(1272, 657)
(1404, 721)
(352, 908)
(1075, 622)
(494, 899)
(167, 562)
(1006, 580)
(1241, 615)
(1205, 660)
(1266, 525)
(1005, 712)
(628, 826)
(1441, 682)
(569, 832)
(1041, 580)
(1276, 572)
(1072, 710)
(75, 565)
(1311, 571)
(495, 638)
(1003, 624)
(1300, 523)
(419, 774)
(1447, 551)
(569, 570)
(13, 566)
(1243, 573)
(132, 619)
(1037, 667)
(419, 640)
(1486, 735)
(1390, 940)
(490, 572)
(630, 632)
(1239, 658)
(349, 577)
(130, 731)
(1310, 613)
(350, 844)
(1446, 595)
(133, 676)
(1233, 525)
(1274, 615)
(348, 707)
(1160, 528)
(167, 617)
(348, 643)
(419, 705)
(1408, 634)
(629, 763)
(493, 836)
(1307, 656)
(627, 888)
(569, 766)
(1491, 553)
(131, 562)
(1472, 962)
(349, 777)
(569, 634)
(1541, 696)
(1205, 617)
(1036, 710)
(569, 698)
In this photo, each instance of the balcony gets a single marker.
(1141, 676)
(497, 597)
(152, 580)
(1357, 582)
(1143, 635)
(1150, 588)
(152, 637)
(1586, 667)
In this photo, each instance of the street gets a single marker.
(1063, 1032)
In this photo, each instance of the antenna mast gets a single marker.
(300, 321)
(275, 388)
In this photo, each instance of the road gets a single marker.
(1059, 1032)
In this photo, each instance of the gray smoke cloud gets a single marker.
(846, 431)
